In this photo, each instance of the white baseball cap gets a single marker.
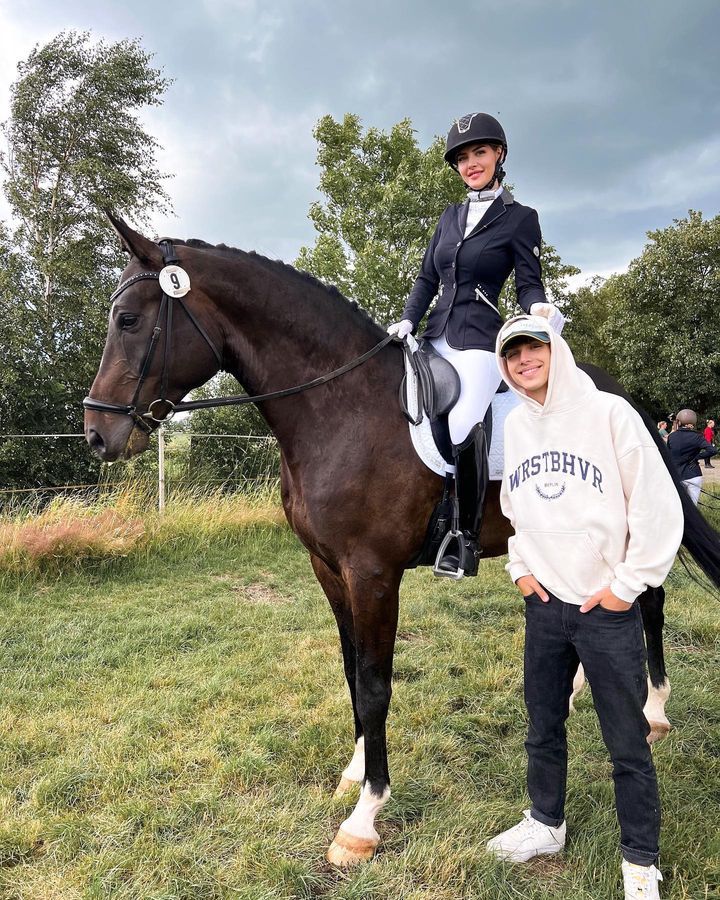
(523, 328)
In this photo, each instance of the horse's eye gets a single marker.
(127, 320)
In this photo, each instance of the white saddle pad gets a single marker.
(501, 406)
(422, 437)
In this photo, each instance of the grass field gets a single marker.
(174, 722)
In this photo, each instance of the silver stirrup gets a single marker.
(450, 536)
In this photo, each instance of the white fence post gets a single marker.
(161, 468)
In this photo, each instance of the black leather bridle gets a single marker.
(162, 409)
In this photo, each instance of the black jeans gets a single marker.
(611, 648)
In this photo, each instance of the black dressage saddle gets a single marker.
(438, 388)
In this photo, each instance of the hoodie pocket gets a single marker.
(566, 562)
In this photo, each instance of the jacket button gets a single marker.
(454, 285)
(458, 243)
(453, 265)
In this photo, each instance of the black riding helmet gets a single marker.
(476, 128)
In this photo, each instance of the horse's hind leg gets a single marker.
(374, 598)
(651, 606)
(336, 592)
(579, 682)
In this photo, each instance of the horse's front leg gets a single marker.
(374, 601)
(651, 606)
(337, 594)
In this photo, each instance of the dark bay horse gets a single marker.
(353, 489)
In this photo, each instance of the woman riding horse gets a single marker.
(475, 246)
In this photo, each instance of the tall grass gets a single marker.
(72, 531)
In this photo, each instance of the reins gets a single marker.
(239, 399)
(154, 416)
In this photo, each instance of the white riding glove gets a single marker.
(402, 329)
(549, 311)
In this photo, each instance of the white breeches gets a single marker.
(479, 379)
(693, 486)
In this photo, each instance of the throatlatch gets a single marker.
(460, 551)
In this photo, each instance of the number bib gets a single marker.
(175, 281)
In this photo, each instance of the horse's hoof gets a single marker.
(347, 850)
(346, 785)
(658, 731)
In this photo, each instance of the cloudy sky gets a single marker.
(612, 109)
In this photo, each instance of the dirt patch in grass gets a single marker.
(261, 594)
(412, 637)
(547, 866)
(256, 593)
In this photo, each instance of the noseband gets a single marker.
(162, 409)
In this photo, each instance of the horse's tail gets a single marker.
(699, 537)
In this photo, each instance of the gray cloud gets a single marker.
(611, 110)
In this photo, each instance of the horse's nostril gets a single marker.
(95, 440)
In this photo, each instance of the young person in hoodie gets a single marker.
(597, 519)
(475, 247)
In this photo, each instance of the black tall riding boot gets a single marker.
(471, 479)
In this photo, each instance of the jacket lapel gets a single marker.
(462, 215)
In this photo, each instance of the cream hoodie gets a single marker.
(588, 494)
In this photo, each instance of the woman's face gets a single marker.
(476, 164)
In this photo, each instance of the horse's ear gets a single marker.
(135, 244)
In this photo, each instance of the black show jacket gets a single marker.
(686, 447)
(468, 273)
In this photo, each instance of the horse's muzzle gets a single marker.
(113, 438)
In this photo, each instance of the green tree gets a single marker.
(588, 309)
(74, 144)
(663, 318)
(383, 196)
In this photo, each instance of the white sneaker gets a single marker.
(528, 839)
(641, 882)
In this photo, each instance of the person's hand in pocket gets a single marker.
(606, 599)
(528, 584)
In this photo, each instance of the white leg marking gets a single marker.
(356, 839)
(356, 767)
(361, 822)
(355, 772)
(655, 710)
(578, 685)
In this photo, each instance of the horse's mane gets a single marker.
(282, 268)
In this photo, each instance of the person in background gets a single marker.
(597, 520)
(709, 435)
(475, 247)
(686, 448)
(662, 430)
